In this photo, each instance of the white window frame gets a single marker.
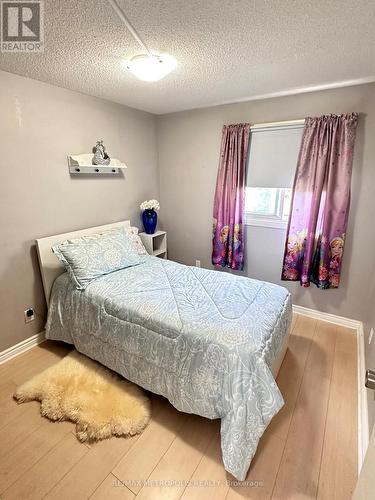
(274, 221)
(271, 221)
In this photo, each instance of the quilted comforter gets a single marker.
(204, 339)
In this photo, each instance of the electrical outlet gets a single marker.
(198, 263)
(370, 335)
(29, 315)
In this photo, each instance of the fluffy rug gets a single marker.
(101, 403)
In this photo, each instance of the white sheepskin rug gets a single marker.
(101, 403)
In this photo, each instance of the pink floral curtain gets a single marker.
(320, 204)
(228, 241)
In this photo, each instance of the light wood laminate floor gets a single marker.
(308, 451)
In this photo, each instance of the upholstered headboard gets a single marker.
(50, 266)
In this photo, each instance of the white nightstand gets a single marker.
(155, 244)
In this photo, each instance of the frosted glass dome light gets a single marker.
(151, 68)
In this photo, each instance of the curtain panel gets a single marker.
(228, 238)
(320, 202)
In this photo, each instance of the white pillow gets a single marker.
(131, 231)
(136, 240)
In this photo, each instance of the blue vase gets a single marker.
(150, 219)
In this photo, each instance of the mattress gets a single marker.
(204, 339)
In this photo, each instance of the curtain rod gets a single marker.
(287, 123)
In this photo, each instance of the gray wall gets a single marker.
(40, 124)
(188, 150)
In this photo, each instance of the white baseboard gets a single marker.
(330, 318)
(21, 347)
(363, 427)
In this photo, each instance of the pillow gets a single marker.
(88, 258)
(93, 236)
(136, 240)
(131, 231)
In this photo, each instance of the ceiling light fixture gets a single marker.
(151, 68)
(148, 67)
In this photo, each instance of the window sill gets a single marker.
(269, 222)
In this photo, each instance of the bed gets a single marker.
(209, 341)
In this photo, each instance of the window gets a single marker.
(270, 172)
(267, 206)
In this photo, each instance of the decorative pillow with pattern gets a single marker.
(136, 240)
(87, 259)
(132, 232)
(88, 237)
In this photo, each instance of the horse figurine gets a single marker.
(100, 155)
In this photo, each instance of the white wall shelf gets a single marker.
(155, 244)
(81, 164)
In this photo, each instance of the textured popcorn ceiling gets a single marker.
(227, 50)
